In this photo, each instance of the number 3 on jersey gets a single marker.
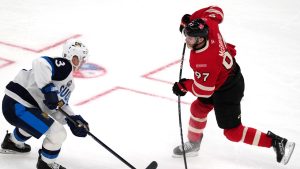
(59, 63)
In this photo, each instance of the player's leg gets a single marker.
(33, 122)
(282, 147)
(52, 143)
(198, 118)
(197, 123)
(248, 135)
(228, 114)
(14, 141)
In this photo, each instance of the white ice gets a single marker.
(139, 119)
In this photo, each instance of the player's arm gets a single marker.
(60, 117)
(214, 13)
(203, 84)
(197, 86)
(43, 69)
(209, 14)
(81, 128)
(68, 110)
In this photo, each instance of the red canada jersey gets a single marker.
(213, 63)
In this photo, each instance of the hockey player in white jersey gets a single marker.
(31, 100)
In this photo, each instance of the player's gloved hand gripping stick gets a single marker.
(152, 165)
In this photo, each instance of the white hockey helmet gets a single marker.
(74, 47)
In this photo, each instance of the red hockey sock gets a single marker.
(196, 127)
(198, 120)
(248, 135)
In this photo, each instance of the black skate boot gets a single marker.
(282, 147)
(10, 147)
(191, 149)
(43, 165)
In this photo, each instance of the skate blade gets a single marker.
(191, 154)
(289, 147)
(6, 151)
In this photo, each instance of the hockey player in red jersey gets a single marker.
(218, 84)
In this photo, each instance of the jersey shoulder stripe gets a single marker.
(61, 68)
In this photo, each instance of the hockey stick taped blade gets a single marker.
(152, 165)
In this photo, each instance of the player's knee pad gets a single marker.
(234, 134)
(56, 134)
(199, 109)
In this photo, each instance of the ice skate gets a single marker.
(9, 147)
(191, 149)
(282, 147)
(43, 165)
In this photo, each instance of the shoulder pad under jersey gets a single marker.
(61, 68)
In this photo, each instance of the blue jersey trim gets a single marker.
(49, 88)
(51, 64)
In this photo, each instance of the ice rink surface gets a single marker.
(129, 104)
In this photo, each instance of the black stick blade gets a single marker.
(152, 165)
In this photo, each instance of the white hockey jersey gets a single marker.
(26, 86)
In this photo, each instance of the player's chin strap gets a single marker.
(152, 165)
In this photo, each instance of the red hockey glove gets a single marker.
(179, 89)
(185, 20)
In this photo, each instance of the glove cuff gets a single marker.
(188, 83)
(49, 88)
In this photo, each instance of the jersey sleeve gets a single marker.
(205, 78)
(212, 12)
(58, 116)
(205, 83)
(43, 71)
(47, 69)
(231, 49)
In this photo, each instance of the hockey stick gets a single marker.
(179, 108)
(152, 165)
